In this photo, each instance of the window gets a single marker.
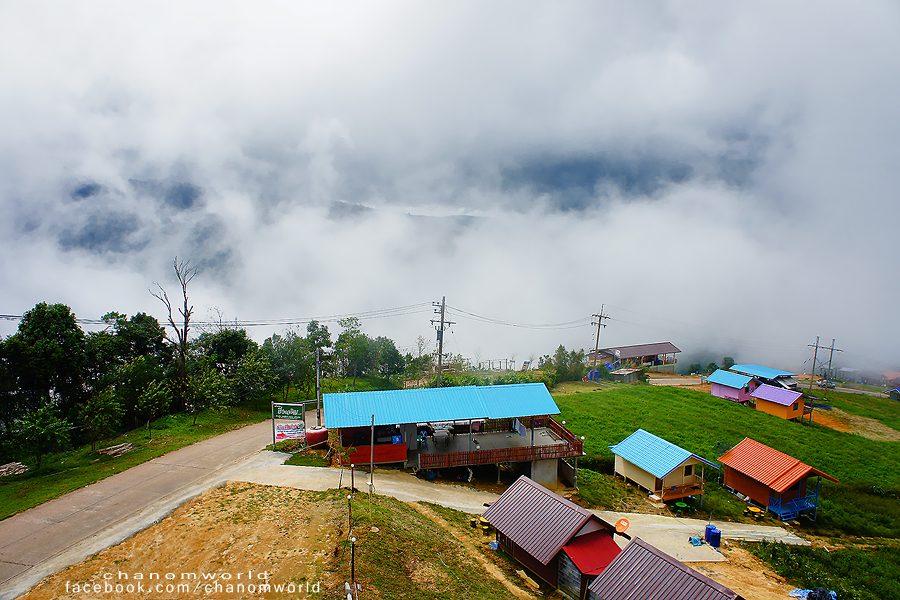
(688, 470)
(796, 404)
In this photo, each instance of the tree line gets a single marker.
(61, 386)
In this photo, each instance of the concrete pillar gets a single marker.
(545, 472)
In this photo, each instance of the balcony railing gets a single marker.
(674, 492)
(497, 455)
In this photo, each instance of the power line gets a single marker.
(475, 317)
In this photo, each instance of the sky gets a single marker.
(719, 175)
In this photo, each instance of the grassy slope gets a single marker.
(698, 422)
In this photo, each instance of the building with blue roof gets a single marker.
(776, 377)
(733, 386)
(659, 466)
(434, 428)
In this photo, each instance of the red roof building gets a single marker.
(564, 544)
(772, 479)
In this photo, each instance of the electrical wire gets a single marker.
(460, 313)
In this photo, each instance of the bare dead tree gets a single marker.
(185, 273)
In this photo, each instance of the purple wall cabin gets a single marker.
(732, 386)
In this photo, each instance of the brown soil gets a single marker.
(746, 575)
(864, 426)
(292, 536)
(232, 531)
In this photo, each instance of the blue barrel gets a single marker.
(715, 538)
(709, 530)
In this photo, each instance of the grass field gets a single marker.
(864, 502)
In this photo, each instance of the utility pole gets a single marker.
(830, 356)
(318, 391)
(599, 324)
(812, 373)
(832, 350)
(441, 309)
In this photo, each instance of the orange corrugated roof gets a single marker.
(775, 469)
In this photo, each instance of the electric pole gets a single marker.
(832, 350)
(441, 309)
(599, 324)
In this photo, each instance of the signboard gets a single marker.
(293, 412)
(295, 430)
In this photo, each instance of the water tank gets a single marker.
(316, 436)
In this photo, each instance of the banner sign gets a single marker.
(295, 430)
(289, 411)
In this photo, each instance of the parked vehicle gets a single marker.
(826, 384)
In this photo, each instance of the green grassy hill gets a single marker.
(864, 502)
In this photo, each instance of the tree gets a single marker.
(354, 349)
(101, 415)
(50, 348)
(41, 431)
(711, 367)
(390, 361)
(253, 377)
(225, 348)
(154, 402)
(209, 390)
(727, 362)
(185, 273)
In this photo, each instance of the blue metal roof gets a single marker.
(390, 407)
(653, 454)
(758, 371)
(727, 378)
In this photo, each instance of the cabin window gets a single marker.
(796, 404)
(688, 470)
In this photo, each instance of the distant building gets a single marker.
(626, 375)
(643, 571)
(659, 466)
(891, 378)
(557, 540)
(659, 356)
(786, 404)
(732, 386)
(772, 479)
(775, 377)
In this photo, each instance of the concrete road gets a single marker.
(669, 534)
(65, 531)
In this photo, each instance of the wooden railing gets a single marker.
(680, 491)
(497, 455)
(570, 446)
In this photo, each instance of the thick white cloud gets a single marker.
(718, 175)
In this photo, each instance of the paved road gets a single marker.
(65, 531)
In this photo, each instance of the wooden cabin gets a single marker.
(780, 402)
(772, 479)
(659, 466)
(732, 386)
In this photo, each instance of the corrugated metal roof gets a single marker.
(776, 394)
(653, 454)
(642, 572)
(355, 409)
(732, 380)
(759, 371)
(592, 552)
(770, 467)
(537, 520)
(642, 350)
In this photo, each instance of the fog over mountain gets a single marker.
(719, 175)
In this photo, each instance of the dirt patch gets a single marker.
(236, 534)
(746, 574)
(864, 426)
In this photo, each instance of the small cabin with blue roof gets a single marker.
(659, 466)
(732, 386)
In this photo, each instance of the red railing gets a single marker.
(497, 455)
(566, 435)
(571, 446)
